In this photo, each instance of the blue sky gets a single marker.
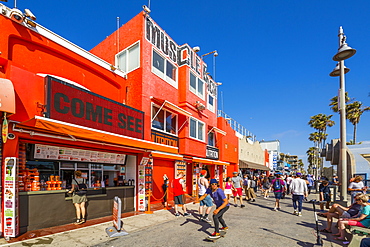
(274, 56)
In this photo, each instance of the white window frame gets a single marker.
(164, 122)
(197, 124)
(196, 91)
(127, 52)
(163, 75)
(211, 107)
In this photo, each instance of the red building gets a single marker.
(133, 109)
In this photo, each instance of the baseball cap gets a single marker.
(213, 181)
(235, 172)
(298, 174)
(203, 172)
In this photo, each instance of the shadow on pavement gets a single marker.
(299, 242)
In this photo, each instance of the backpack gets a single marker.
(81, 188)
(277, 184)
(253, 184)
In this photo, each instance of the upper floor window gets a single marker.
(164, 120)
(129, 59)
(211, 139)
(211, 102)
(196, 85)
(164, 69)
(196, 129)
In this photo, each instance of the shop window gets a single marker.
(196, 129)
(129, 59)
(164, 120)
(164, 69)
(196, 85)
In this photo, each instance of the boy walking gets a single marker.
(278, 185)
(178, 192)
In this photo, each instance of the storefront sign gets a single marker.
(117, 204)
(181, 55)
(141, 183)
(10, 217)
(212, 153)
(62, 153)
(72, 104)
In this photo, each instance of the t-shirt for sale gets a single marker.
(218, 196)
(236, 181)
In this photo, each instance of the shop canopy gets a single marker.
(211, 162)
(76, 131)
(251, 165)
(170, 106)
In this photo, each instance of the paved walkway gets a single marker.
(96, 235)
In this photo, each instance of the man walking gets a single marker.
(206, 203)
(298, 188)
(178, 192)
(238, 191)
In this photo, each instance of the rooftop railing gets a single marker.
(237, 126)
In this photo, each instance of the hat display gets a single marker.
(213, 181)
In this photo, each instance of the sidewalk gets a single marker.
(90, 234)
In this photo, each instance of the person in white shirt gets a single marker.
(298, 189)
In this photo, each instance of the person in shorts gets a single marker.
(178, 193)
(78, 200)
(278, 185)
(237, 191)
(338, 211)
(361, 220)
(222, 205)
(228, 188)
(205, 204)
(324, 195)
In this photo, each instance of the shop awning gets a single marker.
(77, 131)
(251, 165)
(171, 106)
(156, 154)
(7, 96)
(217, 130)
(209, 161)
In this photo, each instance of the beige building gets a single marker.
(251, 155)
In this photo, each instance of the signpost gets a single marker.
(116, 230)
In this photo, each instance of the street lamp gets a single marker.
(344, 52)
(215, 54)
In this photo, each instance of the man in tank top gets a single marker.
(206, 203)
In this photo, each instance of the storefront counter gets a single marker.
(42, 209)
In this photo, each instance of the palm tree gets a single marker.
(334, 102)
(354, 112)
(320, 122)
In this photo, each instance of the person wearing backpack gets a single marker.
(79, 199)
(277, 186)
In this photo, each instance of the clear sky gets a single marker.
(274, 56)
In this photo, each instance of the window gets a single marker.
(129, 59)
(196, 129)
(211, 139)
(211, 103)
(196, 85)
(164, 69)
(164, 120)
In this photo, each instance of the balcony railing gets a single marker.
(237, 126)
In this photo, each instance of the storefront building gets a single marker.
(129, 118)
(179, 99)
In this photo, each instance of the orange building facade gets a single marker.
(130, 114)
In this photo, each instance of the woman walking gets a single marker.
(79, 197)
(228, 188)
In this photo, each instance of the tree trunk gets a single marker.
(354, 133)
